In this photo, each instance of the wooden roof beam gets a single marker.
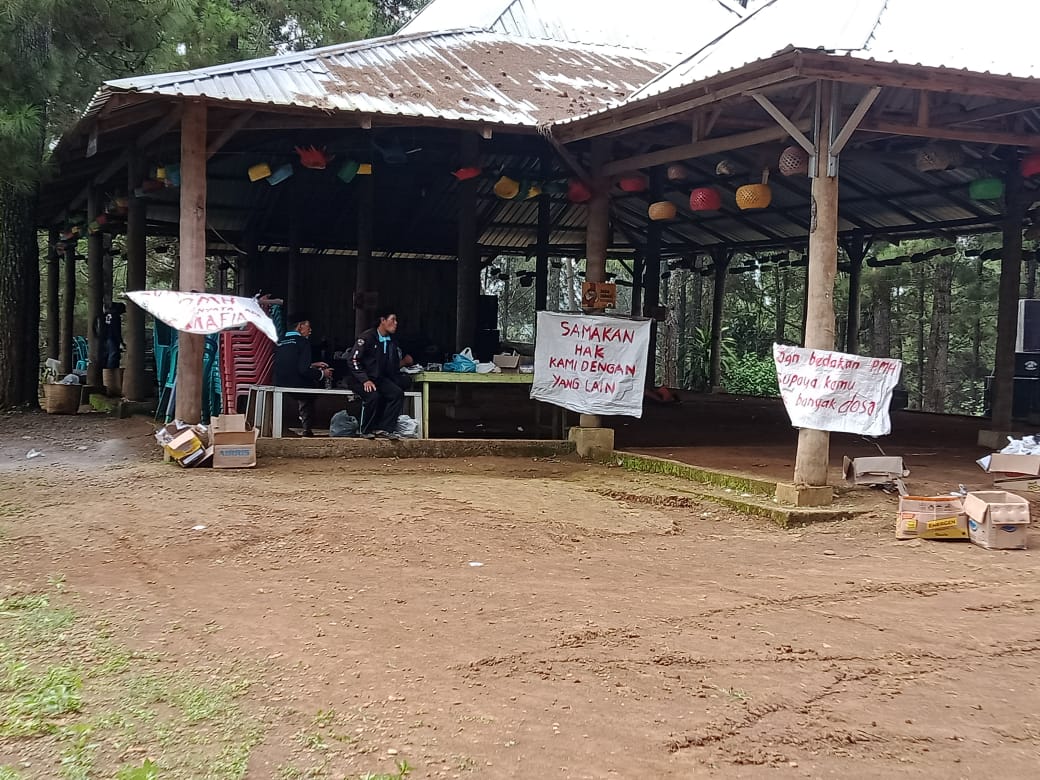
(1028, 140)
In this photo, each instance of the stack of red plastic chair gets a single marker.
(246, 358)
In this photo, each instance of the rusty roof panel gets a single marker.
(461, 75)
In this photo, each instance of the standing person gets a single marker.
(293, 366)
(375, 375)
(109, 329)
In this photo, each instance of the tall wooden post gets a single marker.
(192, 256)
(637, 285)
(541, 262)
(813, 456)
(135, 386)
(366, 216)
(652, 274)
(53, 286)
(597, 234)
(856, 249)
(467, 280)
(108, 269)
(720, 262)
(68, 308)
(95, 289)
(1007, 304)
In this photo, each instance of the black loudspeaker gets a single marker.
(1027, 365)
(1028, 325)
(486, 344)
(487, 312)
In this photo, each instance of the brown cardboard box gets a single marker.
(1013, 472)
(931, 517)
(507, 363)
(875, 471)
(997, 520)
(186, 448)
(234, 445)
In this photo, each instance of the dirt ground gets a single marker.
(500, 618)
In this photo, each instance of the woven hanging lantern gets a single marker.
(578, 191)
(259, 171)
(705, 199)
(726, 168)
(1031, 165)
(676, 173)
(349, 170)
(794, 160)
(507, 188)
(173, 176)
(986, 189)
(754, 196)
(633, 183)
(313, 158)
(364, 169)
(280, 174)
(937, 157)
(663, 209)
(470, 172)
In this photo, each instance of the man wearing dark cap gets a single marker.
(293, 366)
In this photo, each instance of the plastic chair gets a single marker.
(81, 349)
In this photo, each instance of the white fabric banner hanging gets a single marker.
(833, 391)
(591, 364)
(204, 312)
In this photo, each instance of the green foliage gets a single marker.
(149, 770)
(403, 770)
(751, 374)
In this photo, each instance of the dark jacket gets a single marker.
(374, 359)
(292, 362)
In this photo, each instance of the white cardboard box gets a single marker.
(997, 520)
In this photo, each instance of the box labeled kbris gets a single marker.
(997, 520)
(931, 517)
(234, 446)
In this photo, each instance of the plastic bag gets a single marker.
(343, 424)
(407, 426)
(462, 363)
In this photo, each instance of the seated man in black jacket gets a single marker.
(293, 366)
(375, 375)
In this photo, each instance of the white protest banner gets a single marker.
(203, 312)
(832, 391)
(591, 365)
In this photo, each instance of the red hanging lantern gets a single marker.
(633, 183)
(462, 174)
(705, 199)
(313, 158)
(1031, 165)
(578, 191)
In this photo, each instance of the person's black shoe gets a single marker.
(388, 435)
(307, 433)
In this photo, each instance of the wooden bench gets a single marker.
(264, 397)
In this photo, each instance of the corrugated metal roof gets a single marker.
(669, 29)
(465, 75)
(981, 38)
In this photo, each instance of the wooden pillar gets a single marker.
(813, 456)
(363, 315)
(638, 268)
(467, 279)
(247, 268)
(95, 289)
(135, 386)
(107, 269)
(652, 274)
(68, 308)
(720, 260)
(53, 287)
(541, 262)
(1007, 304)
(856, 249)
(597, 234)
(192, 256)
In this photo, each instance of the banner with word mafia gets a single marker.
(833, 391)
(590, 364)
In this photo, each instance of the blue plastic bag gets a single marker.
(462, 363)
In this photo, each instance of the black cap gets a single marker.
(297, 317)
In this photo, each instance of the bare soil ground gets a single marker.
(329, 619)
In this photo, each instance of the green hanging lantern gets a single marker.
(986, 189)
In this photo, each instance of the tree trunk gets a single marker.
(939, 337)
(780, 304)
(923, 369)
(19, 299)
(881, 318)
(53, 295)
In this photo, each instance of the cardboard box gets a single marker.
(234, 445)
(997, 520)
(187, 449)
(875, 471)
(931, 517)
(507, 363)
(1013, 472)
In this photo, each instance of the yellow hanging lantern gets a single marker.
(663, 209)
(507, 188)
(365, 169)
(259, 171)
(754, 196)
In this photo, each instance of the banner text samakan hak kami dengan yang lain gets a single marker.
(591, 365)
(833, 391)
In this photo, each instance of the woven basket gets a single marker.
(676, 173)
(578, 191)
(1031, 165)
(62, 399)
(754, 196)
(705, 199)
(794, 160)
(663, 209)
(633, 183)
(938, 157)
